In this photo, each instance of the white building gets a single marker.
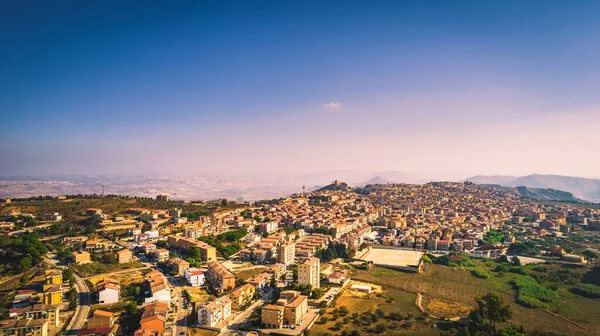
(194, 276)
(214, 312)
(108, 291)
(152, 234)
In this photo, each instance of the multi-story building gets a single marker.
(157, 288)
(242, 296)
(25, 327)
(214, 312)
(194, 276)
(101, 320)
(82, 257)
(52, 294)
(124, 256)
(219, 276)
(153, 320)
(179, 265)
(108, 291)
(290, 309)
(287, 253)
(53, 277)
(207, 252)
(309, 273)
(161, 255)
(40, 311)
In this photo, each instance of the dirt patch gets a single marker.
(124, 279)
(348, 291)
(445, 309)
(198, 294)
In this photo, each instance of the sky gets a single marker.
(247, 87)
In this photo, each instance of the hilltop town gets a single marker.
(337, 260)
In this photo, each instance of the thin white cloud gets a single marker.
(332, 105)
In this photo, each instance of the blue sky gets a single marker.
(94, 87)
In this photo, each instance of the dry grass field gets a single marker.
(124, 279)
(198, 294)
(442, 286)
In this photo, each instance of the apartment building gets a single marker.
(287, 253)
(25, 327)
(242, 296)
(219, 276)
(207, 252)
(153, 320)
(160, 255)
(39, 311)
(179, 265)
(309, 273)
(290, 309)
(194, 276)
(215, 312)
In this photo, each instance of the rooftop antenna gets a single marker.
(304, 191)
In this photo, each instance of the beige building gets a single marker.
(82, 257)
(309, 273)
(287, 253)
(290, 309)
(124, 256)
(25, 327)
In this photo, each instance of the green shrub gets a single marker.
(588, 290)
(530, 302)
(528, 287)
(480, 274)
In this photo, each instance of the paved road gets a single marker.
(83, 308)
(233, 327)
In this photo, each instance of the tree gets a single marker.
(339, 325)
(131, 307)
(25, 263)
(590, 254)
(380, 313)
(72, 298)
(344, 311)
(503, 258)
(223, 202)
(516, 261)
(491, 309)
(380, 328)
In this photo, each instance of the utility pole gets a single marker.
(103, 190)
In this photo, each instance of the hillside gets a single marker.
(342, 186)
(581, 188)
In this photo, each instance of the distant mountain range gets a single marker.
(581, 188)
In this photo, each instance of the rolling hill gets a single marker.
(581, 188)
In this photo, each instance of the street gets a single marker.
(82, 310)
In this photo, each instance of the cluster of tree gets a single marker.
(225, 250)
(453, 259)
(491, 310)
(334, 250)
(22, 252)
(493, 236)
(72, 295)
(312, 293)
(195, 215)
(19, 221)
(528, 248)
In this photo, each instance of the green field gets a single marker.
(569, 314)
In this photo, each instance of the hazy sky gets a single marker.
(481, 87)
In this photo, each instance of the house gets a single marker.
(242, 296)
(153, 320)
(55, 217)
(215, 312)
(160, 255)
(124, 256)
(101, 319)
(260, 281)
(336, 277)
(108, 291)
(156, 288)
(53, 277)
(194, 276)
(52, 294)
(179, 265)
(148, 247)
(82, 257)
